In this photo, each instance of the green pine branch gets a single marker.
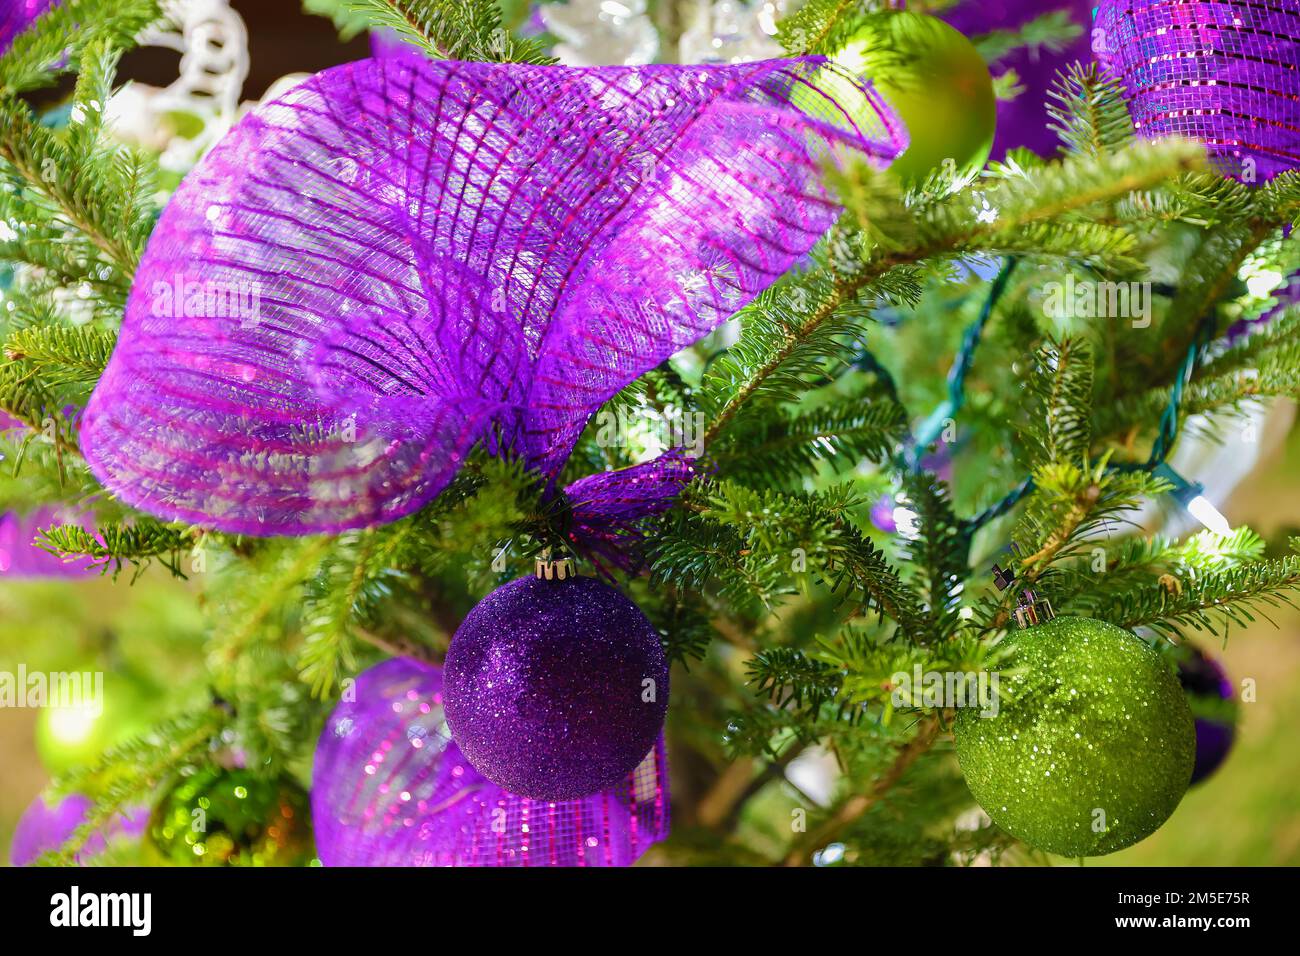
(452, 29)
(762, 545)
(777, 448)
(1048, 33)
(352, 587)
(128, 775)
(1212, 602)
(1059, 428)
(103, 191)
(793, 334)
(1072, 503)
(1089, 112)
(824, 26)
(61, 353)
(936, 552)
(57, 43)
(1107, 568)
(113, 546)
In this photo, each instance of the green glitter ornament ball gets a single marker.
(1092, 745)
(69, 738)
(223, 817)
(937, 82)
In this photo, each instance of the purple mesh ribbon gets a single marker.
(21, 558)
(1225, 72)
(399, 258)
(390, 788)
(607, 509)
(16, 15)
(44, 827)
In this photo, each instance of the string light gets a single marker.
(1191, 495)
(1203, 510)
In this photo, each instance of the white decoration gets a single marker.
(601, 32)
(213, 43)
(733, 31)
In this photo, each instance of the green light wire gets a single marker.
(930, 429)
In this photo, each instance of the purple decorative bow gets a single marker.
(400, 258)
(1225, 72)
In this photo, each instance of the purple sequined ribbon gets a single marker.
(390, 788)
(44, 827)
(400, 258)
(20, 557)
(1225, 72)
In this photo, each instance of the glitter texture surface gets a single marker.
(44, 827)
(390, 788)
(400, 257)
(1093, 733)
(548, 686)
(1225, 72)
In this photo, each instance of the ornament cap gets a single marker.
(1030, 609)
(547, 568)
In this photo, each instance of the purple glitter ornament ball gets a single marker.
(44, 827)
(399, 258)
(1213, 700)
(1023, 121)
(390, 788)
(556, 689)
(1225, 72)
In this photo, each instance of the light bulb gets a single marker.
(1203, 510)
(72, 725)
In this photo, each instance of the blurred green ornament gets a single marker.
(1092, 745)
(75, 729)
(935, 80)
(220, 817)
(184, 124)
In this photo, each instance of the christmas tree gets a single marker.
(796, 464)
